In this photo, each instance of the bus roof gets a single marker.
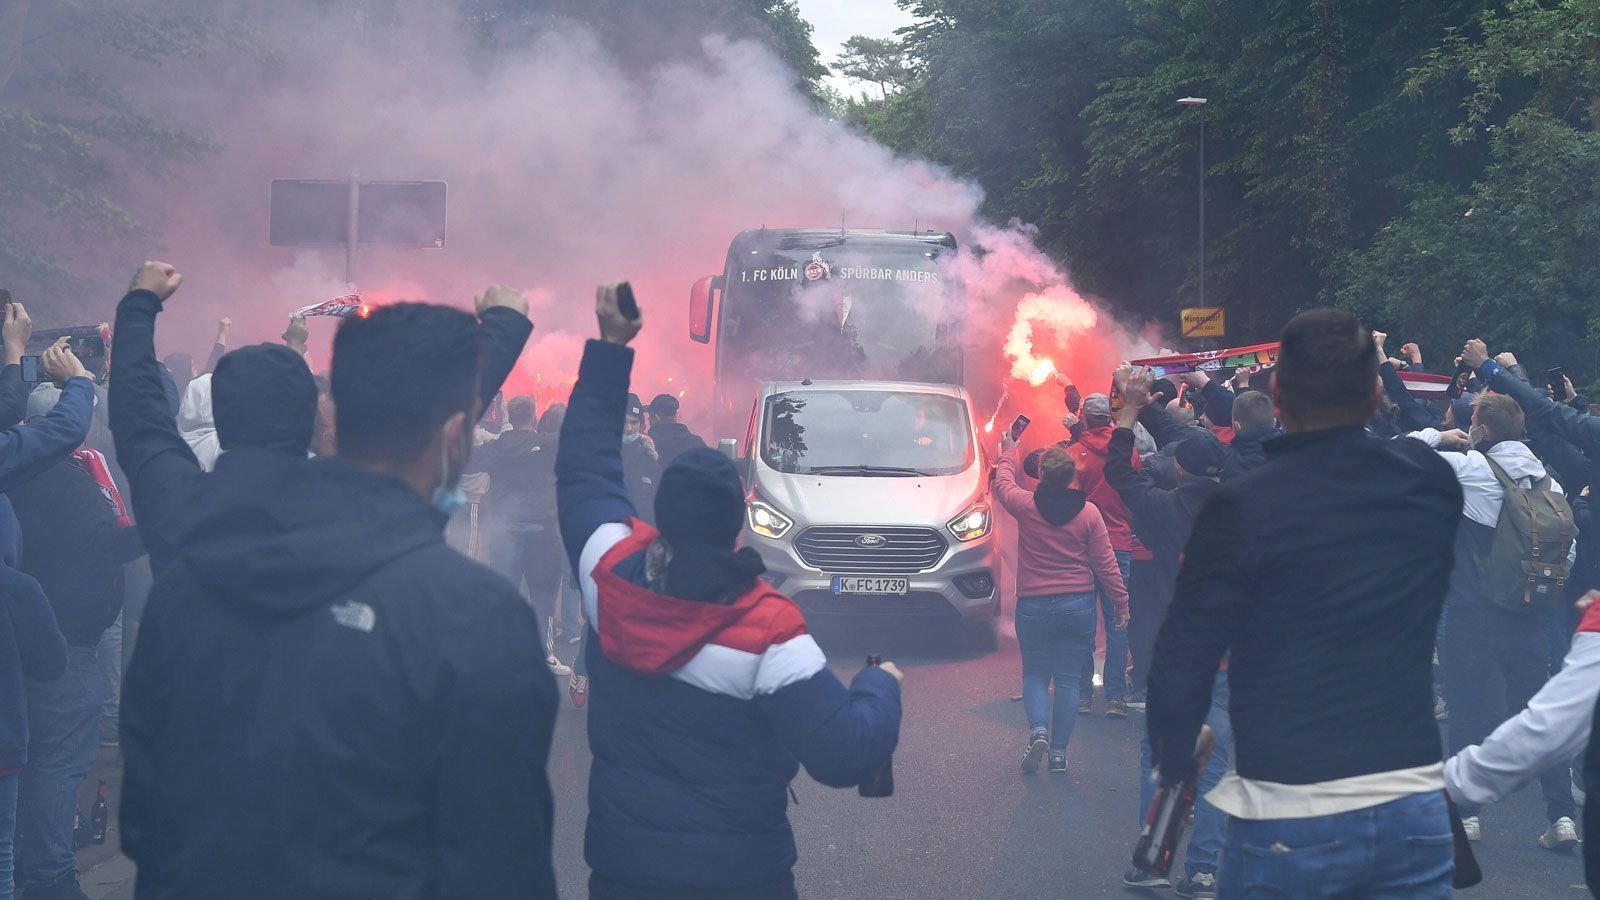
(821, 238)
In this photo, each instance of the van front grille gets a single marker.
(866, 550)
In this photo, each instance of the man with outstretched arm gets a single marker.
(263, 395)
(708, 691)
(327, 701)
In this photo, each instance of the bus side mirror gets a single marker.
(702, 304)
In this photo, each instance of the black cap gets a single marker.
(1201, 454)
(635, 408)
(700, 499)
(264, 396)
(664, 405)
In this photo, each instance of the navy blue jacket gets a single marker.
(27, 451)
(702, 713)
(31, 646)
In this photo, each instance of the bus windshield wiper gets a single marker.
(864, 469)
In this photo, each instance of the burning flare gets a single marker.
(1057, 310)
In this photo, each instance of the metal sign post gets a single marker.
(349, 213)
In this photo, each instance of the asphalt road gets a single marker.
(963, 823)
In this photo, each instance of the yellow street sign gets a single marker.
(1202, 321)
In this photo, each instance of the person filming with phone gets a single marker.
(1063, 553)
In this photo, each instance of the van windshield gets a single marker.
(866, 433)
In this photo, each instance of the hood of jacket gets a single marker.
(1058, 505)
(275, 530)
(1096, 440)
(197, 424)
(1518, 461)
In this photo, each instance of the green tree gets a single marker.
(71, 135)
(1511, 256)
(645, 33)
(879, 61)
(1065, 113)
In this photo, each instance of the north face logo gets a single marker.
(355, 615)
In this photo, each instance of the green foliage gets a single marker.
(1345, 144)
(1511, 256)
(645, 33)
(878, 61)
(71, 137)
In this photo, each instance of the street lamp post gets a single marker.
(1201, 103)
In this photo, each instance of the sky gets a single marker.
(836, 21)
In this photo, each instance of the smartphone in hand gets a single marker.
(626, 304)
(1018, 426)
(1558, 386)
(31, 370)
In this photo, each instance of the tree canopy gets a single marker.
(1431, 163)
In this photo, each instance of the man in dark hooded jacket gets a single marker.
(672, 438)
(327, 701)
(641, 461)
(1163, 518)
(708, 691)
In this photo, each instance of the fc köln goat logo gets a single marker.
(818, 268)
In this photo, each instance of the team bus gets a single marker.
(838, 379)
(820, 303)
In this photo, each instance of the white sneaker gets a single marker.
(1473, 829)
(1561, 836)
(557, 667)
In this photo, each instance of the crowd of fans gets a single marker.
(328, 699)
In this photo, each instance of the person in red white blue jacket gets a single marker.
(708, 692)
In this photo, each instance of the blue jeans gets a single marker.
(63, 736)
(1116, 669)
(8, 830)
(1056, 636)
(1204, 853)
(1400, 850)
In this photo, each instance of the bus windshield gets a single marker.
(865, 433)
(836, 312)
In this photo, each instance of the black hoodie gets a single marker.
(328, 701)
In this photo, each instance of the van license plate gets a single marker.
(843, 584)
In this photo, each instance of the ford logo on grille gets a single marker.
(870, 540)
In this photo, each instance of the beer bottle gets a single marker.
(99, 816)
(1163, 824)
(881, 784)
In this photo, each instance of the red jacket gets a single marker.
(1058, 559)
(1090, 453)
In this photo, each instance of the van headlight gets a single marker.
(767, 521)
(971, 524)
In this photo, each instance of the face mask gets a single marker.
(448, 499)
(630, 438)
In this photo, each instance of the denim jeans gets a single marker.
(110, 656)
(1204, 853)
(1148, 608)
(1056, 637)
(8, 831)
(1115, 675)
(1400, 850)
(63, 736)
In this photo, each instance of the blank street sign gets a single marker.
(309, 213)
